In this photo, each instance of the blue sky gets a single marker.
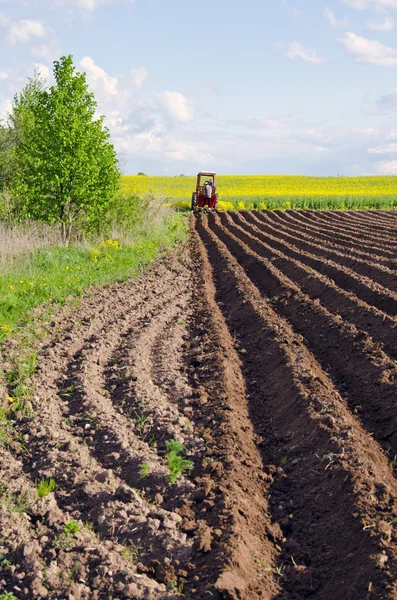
(261, 86)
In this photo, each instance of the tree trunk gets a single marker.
(67, 221)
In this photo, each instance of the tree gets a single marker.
(7, 145)
(68, 167)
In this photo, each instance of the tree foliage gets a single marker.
(67, 166)
(7, 146)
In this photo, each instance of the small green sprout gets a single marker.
(46, 486)
(177, 464)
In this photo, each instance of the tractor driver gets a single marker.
(208, 191)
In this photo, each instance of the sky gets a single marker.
(305, 87)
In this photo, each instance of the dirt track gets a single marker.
(269, 349)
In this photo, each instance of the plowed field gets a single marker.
(268, 348)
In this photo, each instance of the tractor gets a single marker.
(205, 196)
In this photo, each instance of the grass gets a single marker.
(144, 470)
(71, 527)
(6, 429)
(55, 274)
(17, 503)
(65, 539)
(176, 462)
(45, 487)
(131, 554)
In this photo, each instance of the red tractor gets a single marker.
(205, 195)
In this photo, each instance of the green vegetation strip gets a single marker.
(54, 274)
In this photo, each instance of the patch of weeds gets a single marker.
(18, 503)
(285, 460)
(278, 571)
(176, 587)
(6, 429)
(65, 539)
(71, 527)
(67, 392)
(144, 470)
(8, 596)
(140, 421)
(45, 486)
(89, 526)
(11, 377)
(176, 462)
(17, 380)
(5, 562)
(131, 554)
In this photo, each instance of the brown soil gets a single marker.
(267, 347)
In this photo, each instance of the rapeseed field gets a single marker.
(275, 191)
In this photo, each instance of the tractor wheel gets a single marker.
(194, 201)
(216, 203)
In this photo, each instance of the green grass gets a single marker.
(45, 487)
(71, 527)
(176, 462)
(54, 274)
(144, 470)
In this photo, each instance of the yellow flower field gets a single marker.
(274, 191)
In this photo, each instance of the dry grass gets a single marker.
(25, 238)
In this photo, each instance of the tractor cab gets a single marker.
(205, 196)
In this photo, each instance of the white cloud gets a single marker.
(333, 21)
(42, 70)
(24, 30)
(386, 149)
(387, 167)
(387, 24)
(5, 109)
(367, 51)
(175, 107)
(98, 78)
(139, 76)
(296, 50)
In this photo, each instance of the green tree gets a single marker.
(6, 150)
(68, 168)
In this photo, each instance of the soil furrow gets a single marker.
(363, 287)
(357, 248)
(379, 273)
(380, 326)
(363, 374)
(346, 224)
(293, 407)
(382, 218)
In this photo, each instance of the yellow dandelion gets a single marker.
(31, 283)
(12, 287)
(21, 281)
(67, 268)
(10, 399)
